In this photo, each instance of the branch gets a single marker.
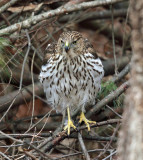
(62, 135)
(124, 72)
(57, 12)
(108, 99)
(109, 64)
(7, 5)
(4, 155)
(95, 15)
(24, 126)
(82, 145)
(26, 93)
(48, 134)
(75, 154)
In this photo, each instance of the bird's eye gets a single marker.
(62, 41)
(74, 42)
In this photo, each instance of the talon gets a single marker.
(86, 121)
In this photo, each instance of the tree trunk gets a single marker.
(130, 145)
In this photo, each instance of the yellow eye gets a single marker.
(74, 42)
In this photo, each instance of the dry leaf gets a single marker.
(25, 8)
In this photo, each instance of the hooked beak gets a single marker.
(67, 46)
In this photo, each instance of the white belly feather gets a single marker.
(71, 82)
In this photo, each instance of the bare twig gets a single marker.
(26, 93)
(48, 134)
(44, 155)
(25, 142)
(21, 77)
(5, 156)
(113, 41)
(109, 64)
(108, 144)
(75, 154)
(108, 98)
(12, 138)
(110, 155)
(62, 135)
(59, 11)
(5, 19)
(124, 72)
(9, 18)
(82, 145)
(24, 126)
(30, 155)
(7, 5)
(95, 15)
(113, 111)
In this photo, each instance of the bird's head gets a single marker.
(70, 44)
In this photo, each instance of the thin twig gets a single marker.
(94, 15)
(33, 91)
(123, 73)
(53, 141)
(82, 145)
(75, 154)
(10, 137)
(44, 155)
(5, 156)
(113, 111)
(25, 93)
(41, 135)
(7, 5)
(21, 77)
(108, 99)
(110, 155)
(59, 11)
(113, 41)
(108, 144)
(5, 19)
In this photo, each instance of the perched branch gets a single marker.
(62, 135)
(59, 11)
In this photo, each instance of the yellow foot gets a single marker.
(70, 123)
(86, 121)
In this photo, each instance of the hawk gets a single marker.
(71, 75)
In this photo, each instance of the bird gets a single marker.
(71, 76)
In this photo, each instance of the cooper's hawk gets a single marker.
(71, 75)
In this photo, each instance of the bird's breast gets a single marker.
(71, 82)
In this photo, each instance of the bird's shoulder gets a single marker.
(50, 51)
(89, 48)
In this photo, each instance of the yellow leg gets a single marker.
(70, 123)
(86, 121)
